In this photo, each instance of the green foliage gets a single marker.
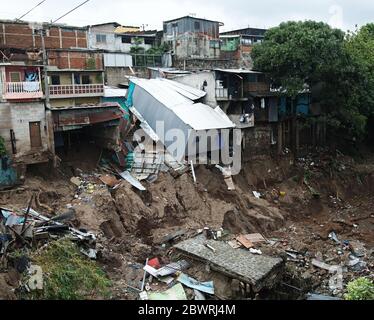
(299, 53)
(360, 289)
(2, 147)
(69, 275)
(342, 65)
(137, 49)
(159, 50)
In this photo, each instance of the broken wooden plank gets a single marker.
(244, 241)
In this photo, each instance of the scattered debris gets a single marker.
(130, 179)
(35, 281)
(206, 287)
(333, 236)
(174, 293)
(255, 251)
(258, 271)
(244, 241)
(257, 194)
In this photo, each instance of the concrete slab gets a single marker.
(259, 271)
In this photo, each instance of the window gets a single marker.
(55, 80)
(126, 39)
(197, 25)
(148, 41)
(246, 42)
(85, 79)
(100, 38)
(214, 44)
(15, 76)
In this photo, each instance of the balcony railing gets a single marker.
(222, 93)
(23, 90)
(77, 90)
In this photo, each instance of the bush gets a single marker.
(69, 275)
(360, 289)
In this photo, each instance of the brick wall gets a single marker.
(20, 35)
(75, 60)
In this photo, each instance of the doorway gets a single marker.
(35, 135)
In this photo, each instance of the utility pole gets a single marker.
(42, 32)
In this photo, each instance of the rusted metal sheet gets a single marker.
(85, 117)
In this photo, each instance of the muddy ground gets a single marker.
(301, 204)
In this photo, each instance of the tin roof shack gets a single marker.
(309, 129)
(169, 109)
(238, 44)
(233, 93)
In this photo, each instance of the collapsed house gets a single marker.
(168, 109)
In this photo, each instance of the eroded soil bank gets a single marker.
(301, 204)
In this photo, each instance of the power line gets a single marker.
(71, 11)
(39, 4)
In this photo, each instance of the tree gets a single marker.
(299, 53)
(360, 48)
(296, 55)
(313, 53)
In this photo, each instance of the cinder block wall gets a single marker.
(17, 116)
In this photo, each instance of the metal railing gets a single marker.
(146, 60)
(76, 90)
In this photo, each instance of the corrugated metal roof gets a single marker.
(161, 92)
(198, 116)
(170, 70)
(237, 71)
(186, 91)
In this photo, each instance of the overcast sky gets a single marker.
(235, 14)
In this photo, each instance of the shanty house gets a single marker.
(176, 107)
(191, 37)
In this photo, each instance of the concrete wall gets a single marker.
(73, 102)
(196, 80)
(257, 141)
(17, 116)
(113, 41)
(204, 64)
